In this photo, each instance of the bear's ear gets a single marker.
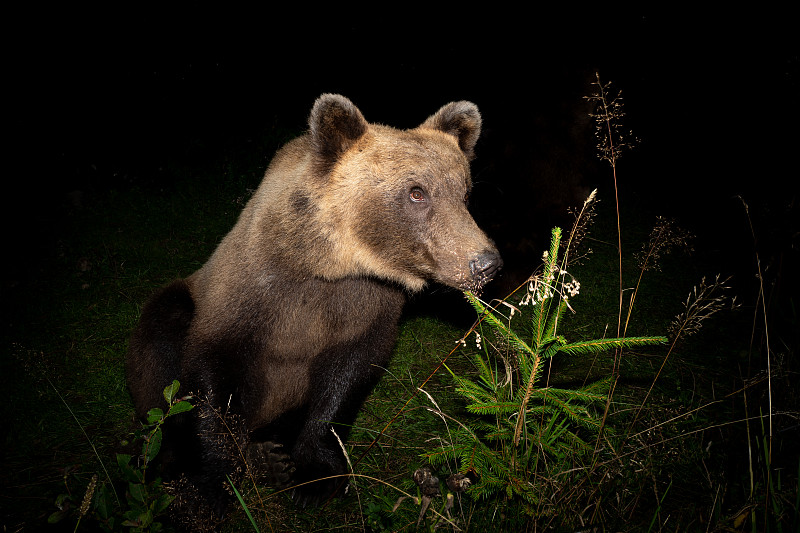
(335, 125)
(461, 120)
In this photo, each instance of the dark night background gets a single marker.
(105, 98)
(118, 98)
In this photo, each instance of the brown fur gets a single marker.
(291, 318)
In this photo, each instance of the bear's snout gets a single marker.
(484, 267)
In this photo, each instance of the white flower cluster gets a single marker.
(541, 288)
(572, 288)
(463, 340)
(537, 291)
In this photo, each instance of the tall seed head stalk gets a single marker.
(612, 138)
(611, 142)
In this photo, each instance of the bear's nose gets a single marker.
(484, 266)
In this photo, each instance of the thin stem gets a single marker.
(639, 281)
(612, 158)
(762, 297)
(102, 464)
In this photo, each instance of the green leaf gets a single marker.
(171, 390)
(161, 503)
(145, 519)
(128, 472)
(180, 407)
(57, 517)
(62, 500)
(154, 416)
(102, 502)
(137, 491)
(244, 505)
(152, 445)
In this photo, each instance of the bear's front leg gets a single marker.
(218, 432)
(340, 383)
(320, 469)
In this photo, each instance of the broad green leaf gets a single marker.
(154, 415)
(137, 491)
(145, 519)
(128, 472)
(102, 502)
(171, 390)
(152, 445)
(180, 407)
(161, 503)
(58, 516)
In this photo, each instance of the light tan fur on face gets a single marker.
(389, 166)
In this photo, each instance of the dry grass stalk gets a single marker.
(703, 301)
(665, 237)
(612, 141)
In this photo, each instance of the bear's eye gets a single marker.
(417, 195)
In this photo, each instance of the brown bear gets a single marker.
(291, 320)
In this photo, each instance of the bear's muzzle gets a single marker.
(483, 268)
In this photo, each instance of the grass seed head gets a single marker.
(87, 498)
(612, 139)
(665, 237)
(704, 301)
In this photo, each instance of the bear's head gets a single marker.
(392, 204)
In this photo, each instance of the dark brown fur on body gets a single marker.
(293, 316)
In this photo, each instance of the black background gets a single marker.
(103, 97)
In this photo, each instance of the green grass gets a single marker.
(62, 368)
